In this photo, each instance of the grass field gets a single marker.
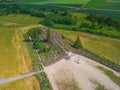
(14, 56)
(19, 19)
(103, 46)
(94, 3)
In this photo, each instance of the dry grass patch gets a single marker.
(15, 60)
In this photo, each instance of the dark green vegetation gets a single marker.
(111, 75)
(43, 43)
(34, 34)
(95, 24)
(77, 44)
(44, 82)
(33, 55)
(34, 43)
(6, 9)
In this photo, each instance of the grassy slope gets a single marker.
(94, 3)
(103, 46)
(14, 57)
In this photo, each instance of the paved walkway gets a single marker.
(8, 80)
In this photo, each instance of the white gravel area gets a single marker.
(80, 69)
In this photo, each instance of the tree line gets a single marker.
(104, 20)
(6, 9)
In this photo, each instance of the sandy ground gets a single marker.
(77, 73)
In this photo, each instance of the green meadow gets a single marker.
(102, 46)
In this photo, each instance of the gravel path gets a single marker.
(8, 80)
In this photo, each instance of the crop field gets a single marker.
(109, 8)
(111, 5)
(103, 46)
(56, 1)
(70, 7)
(14, 56)
(108, 13)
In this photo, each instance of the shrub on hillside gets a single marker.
(47, 23)
(77, 44)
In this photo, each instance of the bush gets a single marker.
(77, 44)
(104, 20)
(47, 23)
(40, 47)
(34, 33)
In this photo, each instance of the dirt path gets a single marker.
(77, 72)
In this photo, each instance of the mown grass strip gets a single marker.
(111, 75)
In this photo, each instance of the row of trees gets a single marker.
(104, 20)
(6, 9)
(59, 19)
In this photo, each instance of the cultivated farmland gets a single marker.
(14, 56)
(56, 1)
(95, 3)
(111, 5)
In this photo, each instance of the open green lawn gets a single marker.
(103, 46)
